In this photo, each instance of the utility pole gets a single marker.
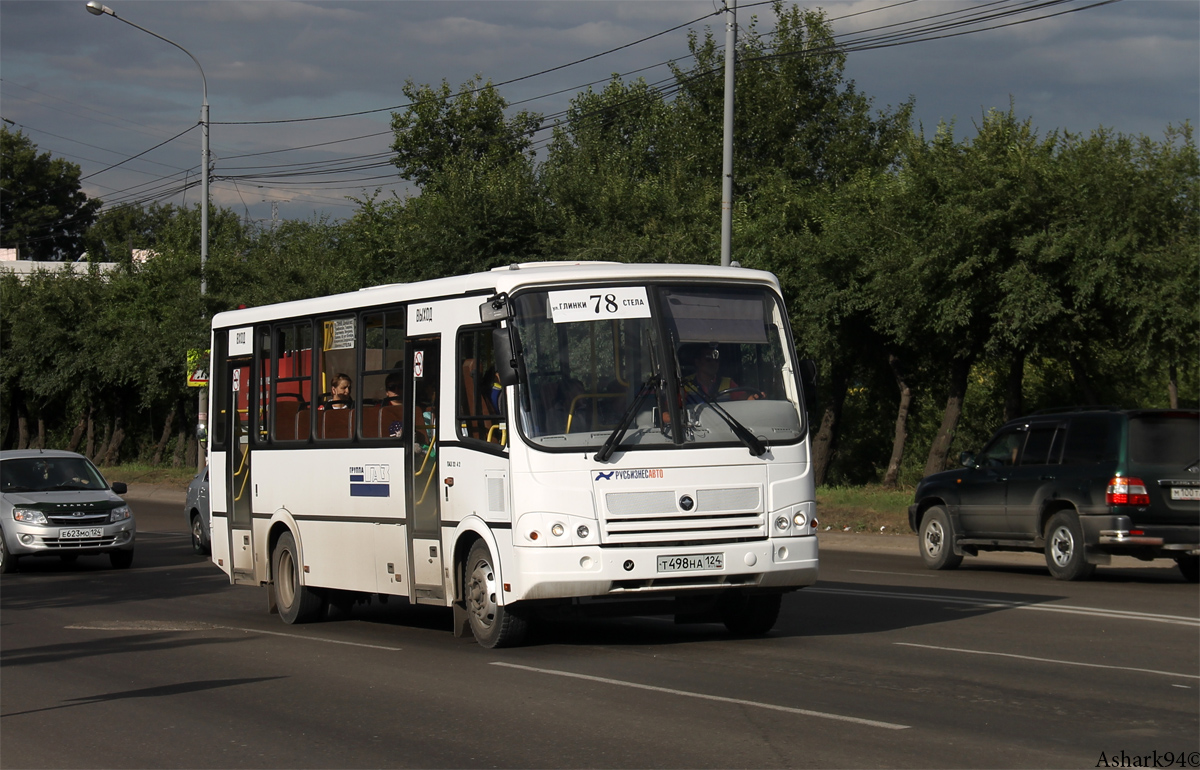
(727, 160)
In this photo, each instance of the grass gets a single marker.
(864, 509)
(140, 473)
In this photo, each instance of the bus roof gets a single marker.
(501, 279)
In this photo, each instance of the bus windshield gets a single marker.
(655, 367)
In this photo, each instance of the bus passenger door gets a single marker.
(423, 488)
(239, 491)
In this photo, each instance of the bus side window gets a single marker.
(381, 381)
(479, 401)
(293, 381)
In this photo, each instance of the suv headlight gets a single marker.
(120, 514)
(29, 516)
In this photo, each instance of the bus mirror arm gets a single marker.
(506, 359)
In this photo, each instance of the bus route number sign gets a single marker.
(599, 304)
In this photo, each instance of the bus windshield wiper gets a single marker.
(752, 442)
(651, 385)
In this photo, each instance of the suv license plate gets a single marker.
(76, 534)
(1185, 493)
(700, 561)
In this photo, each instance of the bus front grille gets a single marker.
(656, 517)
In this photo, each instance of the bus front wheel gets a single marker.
(297, 603)
(492, 624)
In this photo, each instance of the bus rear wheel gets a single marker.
(493, 625)
(297, 603)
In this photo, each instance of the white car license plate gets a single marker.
(1185, 493)
(700, 561)
(76, 534)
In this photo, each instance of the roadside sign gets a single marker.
(197, 368)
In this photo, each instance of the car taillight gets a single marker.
(1126, 491)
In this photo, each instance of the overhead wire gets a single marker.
(953, 23)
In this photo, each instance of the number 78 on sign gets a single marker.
(599, 304)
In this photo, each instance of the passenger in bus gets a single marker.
(426, 427)
(394, 386)
(340, 392)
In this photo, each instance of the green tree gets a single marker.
(439, 131)
(43, 212)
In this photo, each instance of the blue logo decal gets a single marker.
(370, 481)
(604, 476)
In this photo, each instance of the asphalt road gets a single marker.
(882, 664)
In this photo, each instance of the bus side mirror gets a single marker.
(506, 362)
(202, 433)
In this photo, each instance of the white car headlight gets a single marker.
(29, 516)
(120, 514)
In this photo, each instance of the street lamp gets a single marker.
(97, 8)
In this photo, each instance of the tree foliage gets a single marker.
(941, 283)
(43, 213)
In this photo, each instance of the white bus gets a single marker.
(550, 437)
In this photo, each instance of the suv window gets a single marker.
(1038, 445)
(1003, 449)
(1164, 439)
(1089, 441)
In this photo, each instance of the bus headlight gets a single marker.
(557, 530)
(800, 518)
(782, 523)
(582, 531)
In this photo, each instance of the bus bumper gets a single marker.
(583, 571)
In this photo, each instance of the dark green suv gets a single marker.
(1079, 485)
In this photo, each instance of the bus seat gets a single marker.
(285, 419)
(335, 423)
(303, 423)
(389, 415)
(370, 421)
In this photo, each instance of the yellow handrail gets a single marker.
(574, 401)
(503, 428)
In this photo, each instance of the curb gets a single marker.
(156, 493)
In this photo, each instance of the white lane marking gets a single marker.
(702, 696)
(312, 638)
(881, 572)
(1000, 604)
(167, 626)
(1049, 660)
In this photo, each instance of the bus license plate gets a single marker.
(700, 561)
(1185, 493)
(76, 534)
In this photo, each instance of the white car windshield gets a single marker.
(49, 474)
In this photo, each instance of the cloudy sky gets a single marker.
(97, 91)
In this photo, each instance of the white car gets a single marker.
(55, 503)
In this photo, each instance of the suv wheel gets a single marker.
(1064, 548)
(937, 540)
